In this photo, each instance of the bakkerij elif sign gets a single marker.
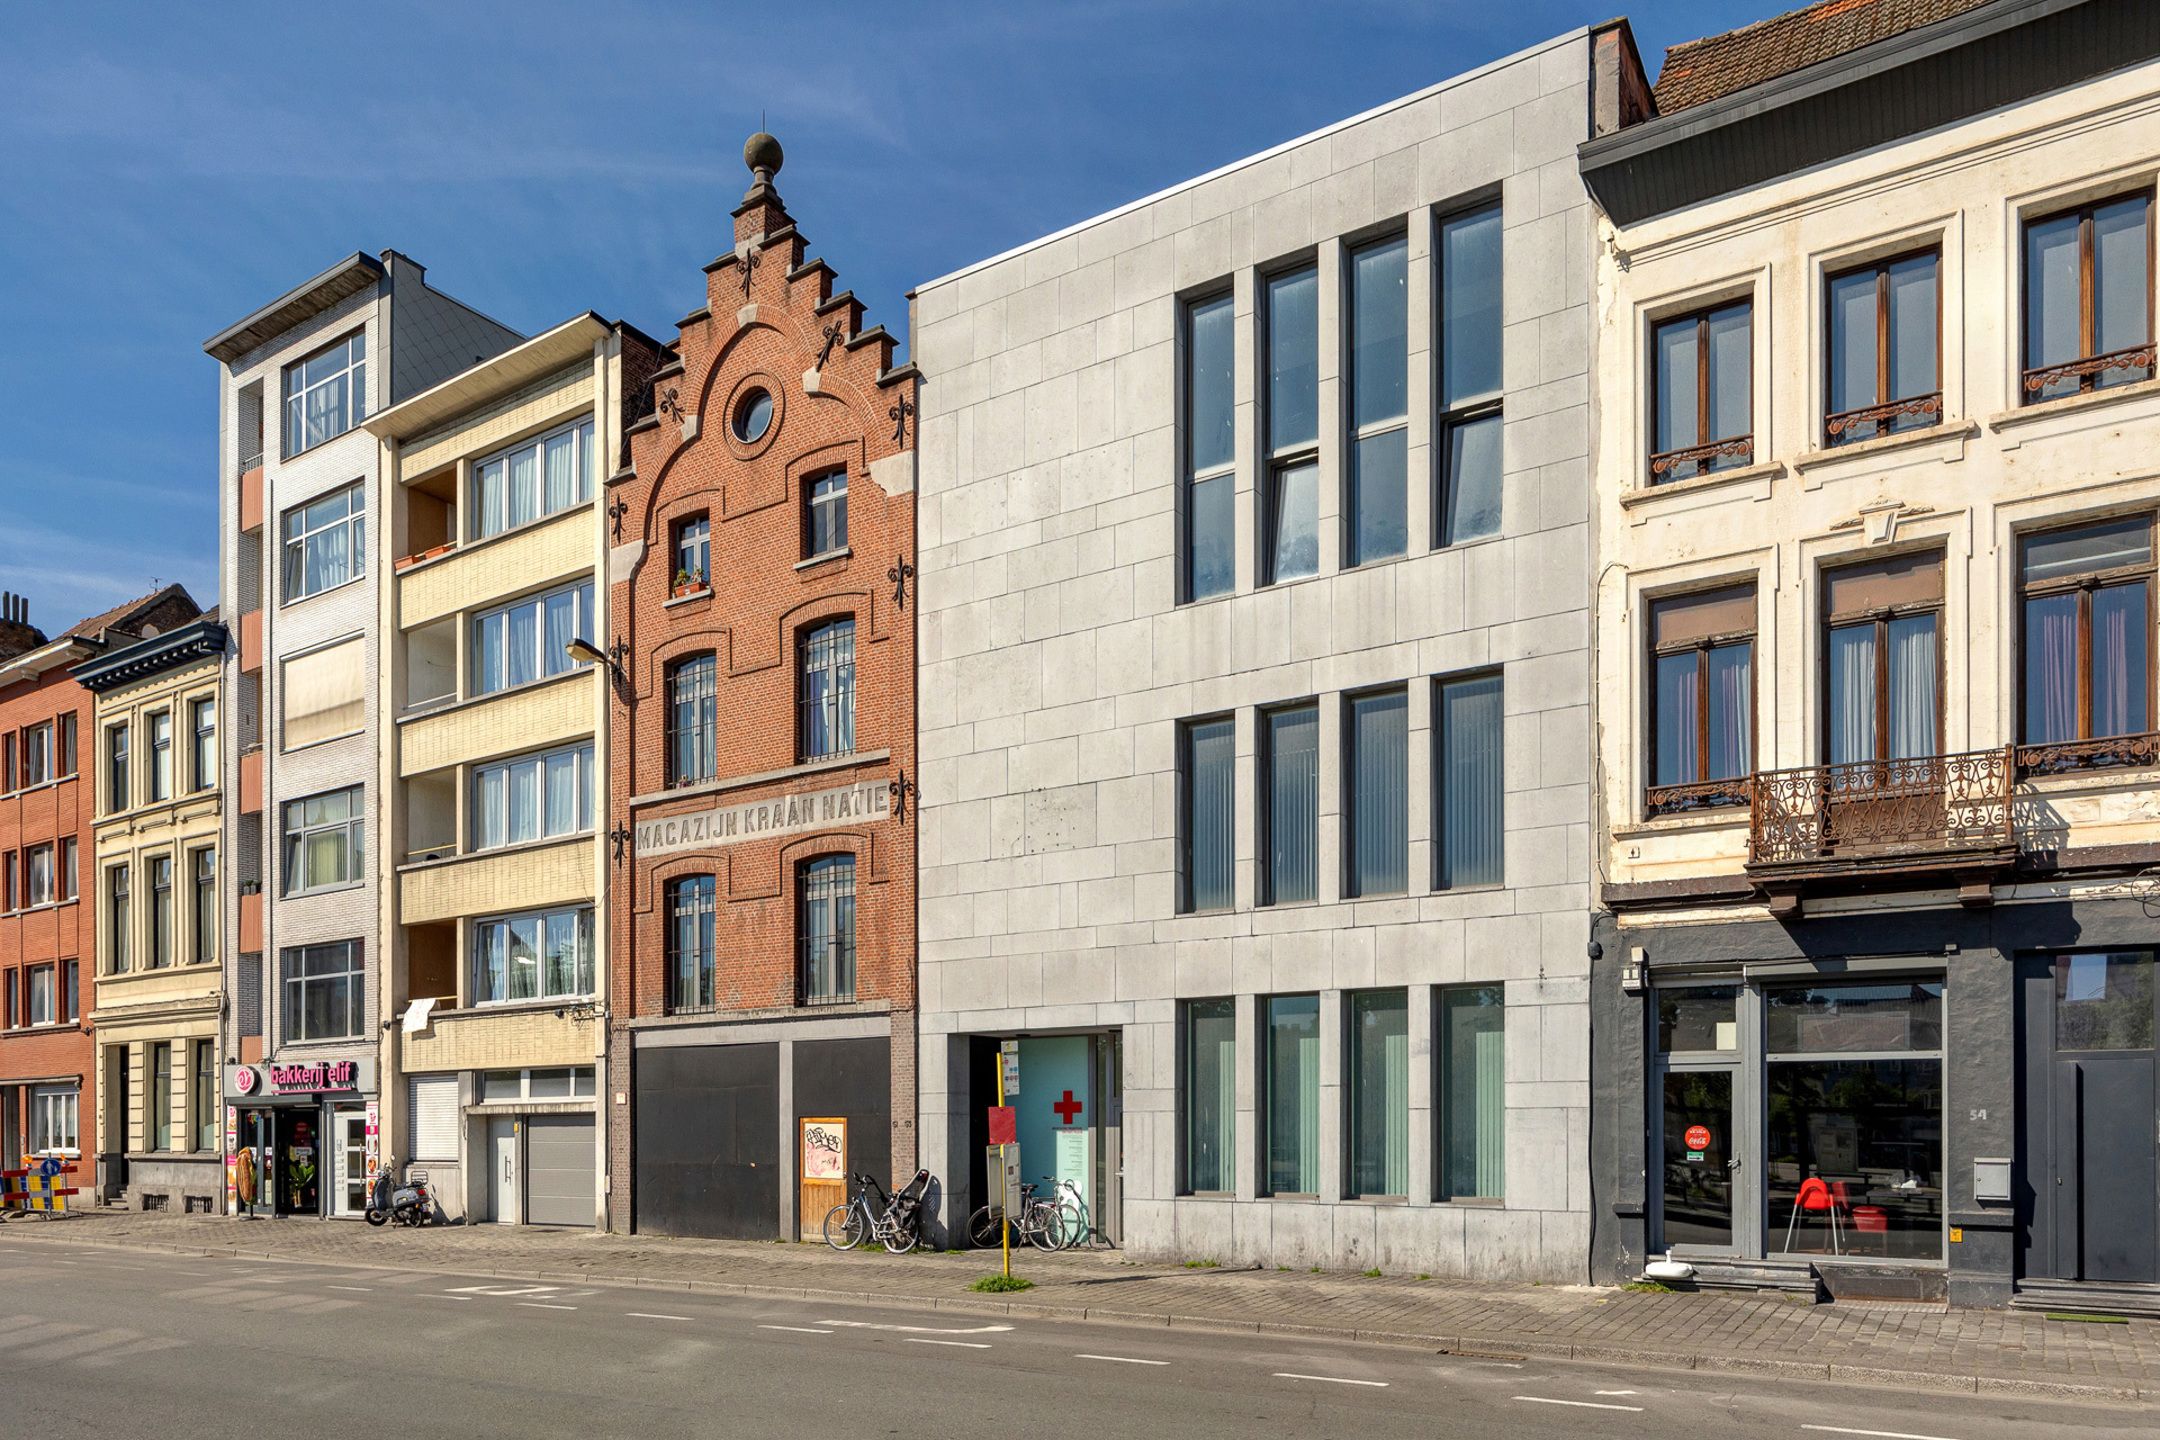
(763, 819)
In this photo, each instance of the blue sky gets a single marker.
(162, 173)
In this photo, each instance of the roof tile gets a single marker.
(1700, 71)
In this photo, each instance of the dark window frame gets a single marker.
(681, 733)
(1439, 737)
(1707, 448)
(1839, 427)
(822, 882)
(1880, 617)
(1735, 786)
(1189, 476)
(842, 691)
(694, 896)
(1264, 750)
(1449, 419)
(1186, 827)
(2032, 379)
(1280, 461)
(2031, 754)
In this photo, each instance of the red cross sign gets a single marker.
(1067, 1108)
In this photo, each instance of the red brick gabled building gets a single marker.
(48, 922)
(761, 752)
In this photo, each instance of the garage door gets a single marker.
(559, 1170)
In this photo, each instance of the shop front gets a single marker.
(1069, 1114)
(301, 1137)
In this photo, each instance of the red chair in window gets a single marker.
(1817, 1198)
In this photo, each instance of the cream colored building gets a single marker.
(493, 854)
(155, 880)
(1878, 481)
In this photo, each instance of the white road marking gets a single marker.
(1612, 1392)
(1879, 1434)
(796, 1329)
(649, 1315)
(348, 1287)
(542, 1305)
(918, 1329)
(963, 1344)
(1121, 1359)
(430, 1295)
(501, 1290)
(1331, 1379)
(1578, 1404)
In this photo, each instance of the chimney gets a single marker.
(17, 635)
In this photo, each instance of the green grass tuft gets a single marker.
(1002, 1284)
(1649, 1287)
(1211, 1263)
(2075, 1318)
(1424, 1277)
(1373, 1274)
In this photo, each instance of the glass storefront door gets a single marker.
(1699, 1164)
(348, 1195)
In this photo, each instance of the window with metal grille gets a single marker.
(828, 690)
(693, 720)
(828, 929)
(690, 943)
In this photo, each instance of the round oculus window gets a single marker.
(753, 416)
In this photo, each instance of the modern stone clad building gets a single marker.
(1877, 497)
(1256, 543)
(493, 856)
(160, 950)
(298, 483)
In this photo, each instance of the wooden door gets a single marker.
(821, 1158)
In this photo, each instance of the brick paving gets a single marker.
(1908, 1345)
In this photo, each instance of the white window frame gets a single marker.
(50, 970)
(37, 755)
(581, 759)
(354, 825)
(584, 470)
(292, 581)
(35, 894)
(582, 965)
(582, 1083)
(54, 1110)
(202, 728)
(294, 388)
(159, 727)
(582, 626)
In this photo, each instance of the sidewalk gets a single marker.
(1969, 1351)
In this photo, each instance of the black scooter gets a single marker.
(406, 1202)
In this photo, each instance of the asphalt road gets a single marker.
(103, 1343)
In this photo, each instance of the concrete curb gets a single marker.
(1483, 1346)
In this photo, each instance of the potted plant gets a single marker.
(688, 582)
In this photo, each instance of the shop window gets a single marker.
(1698, 1018)
(2088, 298)
(1702, 699)
(1379, 1093)
(1210, 456)
(540, 955)
(828, 690)
(1208, 761)
(1290, 801)
(1702, 399)
(690, 952)
(2087, 642)
(2104, 1001)
(1470, 377)
(1379, 401)
(828, 929)
(1470, 781)
(1882, 659)
(1378, 781)
(1291, 1083)
(1472, 1096)
(1293, 419)
(1853, 1140)
(1211, 1097)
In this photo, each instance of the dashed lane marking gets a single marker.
(962, 1344)
(919, 1329)
(798, 1329)
(1578, 1404)
(1612, 1392)
(651, 1315)
(1330, 1379)
(1877, 1434)
(1122, 1359)
(543, 1305)
(348, 1287)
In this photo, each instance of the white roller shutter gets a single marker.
(434, 1112)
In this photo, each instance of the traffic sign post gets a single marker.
(1008, 1058)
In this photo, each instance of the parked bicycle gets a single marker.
(894, 1221)
(1079, 1227)
(1040, 1222)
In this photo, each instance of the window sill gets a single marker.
(686, 598)
(830, 555)
(287, 601)
(1650, 495)
(451, 706)
(1945, 433)
(763, 777)
(323, 890)
(1710, 817)
(318, 744)
(520, 847)
(2073, 404)
(35, 909)
(33, 789)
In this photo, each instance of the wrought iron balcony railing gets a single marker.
(1926, 807)
(1871, 422)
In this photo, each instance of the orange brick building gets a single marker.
(762, 744)
(48, 894)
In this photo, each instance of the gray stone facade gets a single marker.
(1057, 663)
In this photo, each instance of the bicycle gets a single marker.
(1040, 1222)
(1073, 1210)
(896, 1223)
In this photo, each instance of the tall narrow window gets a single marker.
(693, 554)
(326, 542)
(1702, 397)
(1470, 376)
(1884, 350)
(2088, 298)
(693, 688)
(1472, 1093)
(117, 795)
(161, 911)
(828, 929)
(690, 953)
(1290, 739)
(1471, 781)
(1210, 456)
(1702, 704)
(38, 878)
(202, 723)
(1882, 690)
(326, 394)
(64, 746)
(533, 479)
(1209, 764)
(161, 755)
(529, 639)
(203, 1097)
(2088, 641)
(1292, 1086)
(68, 854)
(205, 907)
(161, 1096)
(1379, 401)
(825, 514)
(1378, 770)
(828, 690)
(1293, 418)
(119, 920)
(1379, 1093)
(1211, 1096)
(37, 754)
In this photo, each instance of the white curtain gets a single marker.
(1852, 694)
(1913, 725)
